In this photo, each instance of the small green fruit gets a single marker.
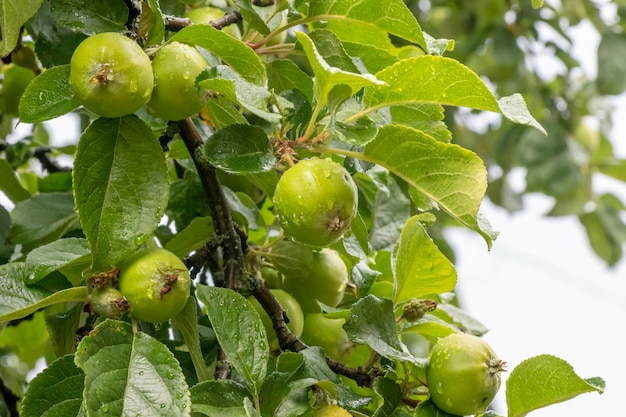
(111, 75)
(156, 283)
(463, 374)
(175, 96)
(328, 334)
(326, 281)
(316, 201)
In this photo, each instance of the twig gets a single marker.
(174, 23)
(289, 341)
(134, 14)
(48, 164)
(228, 236)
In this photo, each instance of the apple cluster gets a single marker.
(112, 76)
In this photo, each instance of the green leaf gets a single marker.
(239, 331)
(222, 398)
(421, 268)
(372, 322)
(90, 17)
(285, 390)
(18, 300)
(223, 80)
(240, 149)
(10, 185)
(425, 117)
(251, 16)
(332, 51)
(446, 175)
(392, 15)
(42, 218)
(28, 339)
(285, 75)
(62, 328)
(187, 324)
(151, 25)
(235, 53)
(56, 391)
(120, 186)
(391, 210)
(389, 394)
(514, 108)
(292, 258)
(602, 237)
(440, 80)
(327, 76)
(45, 259)
(192, 237)
(15, 79)
(430, 79)
(222, 112)
(544, 380)
(611, 77)
(537, 3)
(48, 96)
(13, 14)
(6, 249)
(130, 374)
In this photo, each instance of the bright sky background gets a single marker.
(542, 290)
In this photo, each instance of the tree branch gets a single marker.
(227, 234)
(289, 341)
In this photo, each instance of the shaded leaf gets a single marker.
(18, 300)
(223, 80)
(285, 75)
(130, 374)
(45, 259)
(192, 237)
(42, 218)
(219, 398)
(239, 331)
(13, 14)
(611, 77)
(240, 149)
(544, 380)
(187, 324)
(10, 185)
(56, 391)
(90, 17)
(120, 186)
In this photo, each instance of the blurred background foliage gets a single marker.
(517, 48)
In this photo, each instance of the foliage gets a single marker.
(358, 82)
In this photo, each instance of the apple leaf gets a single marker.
(120, 187)
(235, 53)
(444, 81)
(392, 15)
(223, 397)
(10, 185)
(284, 75)
(221, 112)
(192, 237)
(186, 322)
(372, 322)
(223, 80)
(55, 255)
(130, 374)
(90, 17)
(239, 331)
(56, 391)
(544, 380)
(240, 149)
(327, 76)
(13, 14)
(48, 96)
(18, 300)
(443, 175)
(42, 218)
(421, 268)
